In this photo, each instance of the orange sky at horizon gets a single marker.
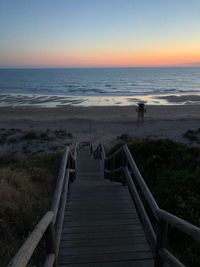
(108, 58)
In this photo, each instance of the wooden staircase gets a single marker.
(101, 225)
(95, 222)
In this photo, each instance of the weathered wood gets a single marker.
(49, 262)
(106, 257)
(146, 222)
(102, 235)
(107, 248)
(145, 190)
(101, 221)
(97, 218)
(123, 206)
(60, 217)
(58, 189)
(25, 252)
(99, 242)
(143, 263)
(103, 228)
(51, 241)
(185, 227)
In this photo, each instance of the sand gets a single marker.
(105, 123)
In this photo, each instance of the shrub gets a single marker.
(26, 187)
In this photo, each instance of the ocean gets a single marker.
(100, 82)
(95, 86)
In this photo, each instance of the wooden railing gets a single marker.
(50, 226)
(157, 232)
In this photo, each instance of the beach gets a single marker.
(105, 123)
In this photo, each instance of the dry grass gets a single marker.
(26, 186)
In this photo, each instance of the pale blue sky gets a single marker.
(65, 32)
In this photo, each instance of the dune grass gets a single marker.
(26, 187)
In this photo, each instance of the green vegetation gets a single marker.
(32, 135)
(26, 188)
(172, 172)
(63, 134)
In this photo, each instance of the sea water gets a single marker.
(95, 86)
(100, 81)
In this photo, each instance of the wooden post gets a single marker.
(161, 241)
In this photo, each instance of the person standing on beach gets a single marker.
(140, 111)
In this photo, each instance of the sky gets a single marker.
(99, 33)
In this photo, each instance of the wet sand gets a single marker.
(52, 101)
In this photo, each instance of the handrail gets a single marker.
(182, 225)
(51, 223)
(162, 218)
(144, 216)
(58, 189)
(146, 192)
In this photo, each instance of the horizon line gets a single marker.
(103, 67)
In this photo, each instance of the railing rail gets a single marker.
(162, 218)
(51, 223)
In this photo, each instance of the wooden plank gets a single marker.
(102, 206)
(112, 202)
(103, 235)
(106, 257)
(106, 208)
(80, 214)
(104, 249)
(99, 228)
(98, 217)
(99, 198)
(99, 201)
(137, 263)
(101, 223)
(101, 242)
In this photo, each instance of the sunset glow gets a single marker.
(107, 33)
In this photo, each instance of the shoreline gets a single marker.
(55, 101)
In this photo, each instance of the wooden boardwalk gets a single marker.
(101, 226)
(94, 222)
